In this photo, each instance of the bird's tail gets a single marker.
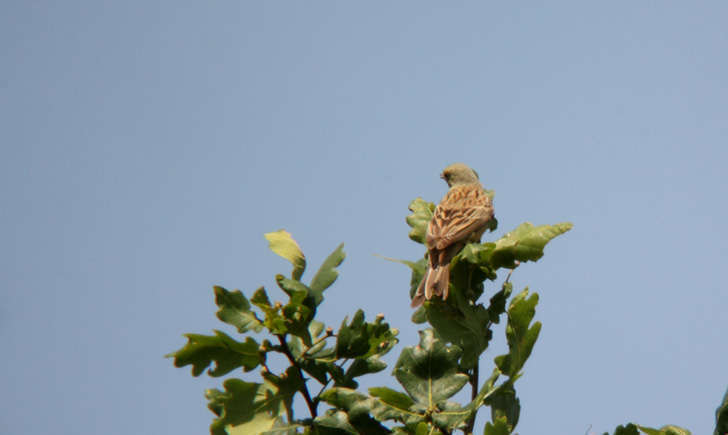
(438, 282)
(435, 282)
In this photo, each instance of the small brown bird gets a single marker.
(460, 218)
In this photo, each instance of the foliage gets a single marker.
(446, 359)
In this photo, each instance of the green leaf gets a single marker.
(356, 422)
(519, 335)
(497, 305)
(428, 372)
(360, 339)
(505, 405)
(316, 360)
(456, 417)
(365, 366)
(525, 243)
(664, 430)
(295, 289)
(287, 384)
(459, 320)
(635, 429)
(228, 354)
(298, 347)
(477, 256)
(327, 274)
(422, 212)
(450, 416)
(419, 316)
(359, 406)
(246, 407)
(275, 323)
(629, 429)
(426, 429)
(300, 309)
(721, 417)
(464, 326)
(235, 310)
(498, 427)
(392, 397)
(283, 244)
(280, 428)
(334, 423)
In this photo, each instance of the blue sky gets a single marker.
(145, 147)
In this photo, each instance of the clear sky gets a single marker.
(145, 147)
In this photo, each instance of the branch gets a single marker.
(304, 390)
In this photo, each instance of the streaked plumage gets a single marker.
(460, 218)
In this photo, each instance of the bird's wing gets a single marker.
(453, 223)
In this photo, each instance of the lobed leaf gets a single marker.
(429, 371)
(525, 243)
(359, 405)
(227, 354)
(504, 405)
(422, 212)
(275, 323)
(235, 310)
(282, 243)
(519, 335)
(498, 427)
(365, 366)
(327, 274)
(635, 429)
(427, 429)
(392, 397)
(497, 305)
(246, 407)
(333, 422)
(629, 429)
(281, 428)
(452, 417)
(464, 325)
(478, 256)
(298, 347)
(340, 422)
(360, 339)
(664, 430)
(300, 309)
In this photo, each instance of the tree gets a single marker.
(446, 359)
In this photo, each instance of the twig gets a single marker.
(304, 389)
(329, 333)
(518, 263)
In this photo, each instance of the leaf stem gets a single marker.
(304, 389)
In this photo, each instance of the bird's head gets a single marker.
(459, 173)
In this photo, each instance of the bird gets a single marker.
(461, 218)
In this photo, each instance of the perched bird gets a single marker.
(460, 218)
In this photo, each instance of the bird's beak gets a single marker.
(442, 175)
